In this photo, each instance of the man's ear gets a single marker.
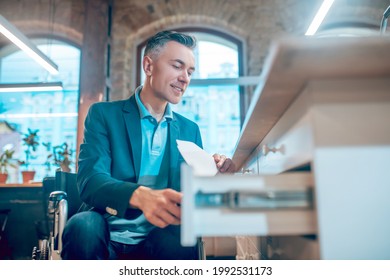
(147, 64)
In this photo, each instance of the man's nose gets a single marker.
(184, 77)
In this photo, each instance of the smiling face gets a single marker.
(168, 73)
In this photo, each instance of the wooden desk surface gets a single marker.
(22, 185)
(295, 61)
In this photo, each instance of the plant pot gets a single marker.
(28, 176)
(3, 178)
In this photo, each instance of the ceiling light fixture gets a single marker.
(38, 115)
(386, 15)
(319, 17)
(31, 87)
(20, 40)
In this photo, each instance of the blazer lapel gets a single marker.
(133, 126)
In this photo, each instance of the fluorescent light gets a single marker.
(38, 115)
(31, 87)
(20, 40)
(319, 17)
(386, 15)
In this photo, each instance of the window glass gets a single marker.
(52, 113)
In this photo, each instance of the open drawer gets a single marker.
(228, 205)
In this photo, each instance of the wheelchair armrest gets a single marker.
(58, 206)
(54, 198)
(58, 210)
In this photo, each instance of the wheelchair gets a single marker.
(63, 202)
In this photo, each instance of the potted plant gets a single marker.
(30, 140)
(6, 159)
(49, 156)
(62, 156)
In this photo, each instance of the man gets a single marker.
(129, 164)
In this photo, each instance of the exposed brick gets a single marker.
(258, 22)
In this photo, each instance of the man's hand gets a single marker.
(224, 164)
(160, 207)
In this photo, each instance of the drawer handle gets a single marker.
(261, 199)
(266, 150)
(248, 171)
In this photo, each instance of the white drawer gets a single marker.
(294, 148)
(229, 205)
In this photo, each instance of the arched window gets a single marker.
(214, 105)
(53, 112)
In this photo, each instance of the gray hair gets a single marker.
(156, 43)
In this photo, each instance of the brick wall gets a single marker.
(257, 22)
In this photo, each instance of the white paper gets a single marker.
(202, 163)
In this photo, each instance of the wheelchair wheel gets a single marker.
(43, 252)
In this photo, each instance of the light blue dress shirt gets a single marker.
(154, 139)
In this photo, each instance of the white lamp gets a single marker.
(20, 40)
(57, 86)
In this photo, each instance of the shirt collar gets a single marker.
(144, 113)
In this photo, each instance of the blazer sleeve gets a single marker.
(97, 187)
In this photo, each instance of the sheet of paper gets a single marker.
(202, 162)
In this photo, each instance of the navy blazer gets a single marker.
(110, 156)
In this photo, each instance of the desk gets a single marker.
(22, 185)
(325, 105)
(322, 110)
(27, 208)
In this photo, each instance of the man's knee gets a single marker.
(86, 236)
(88, 222)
